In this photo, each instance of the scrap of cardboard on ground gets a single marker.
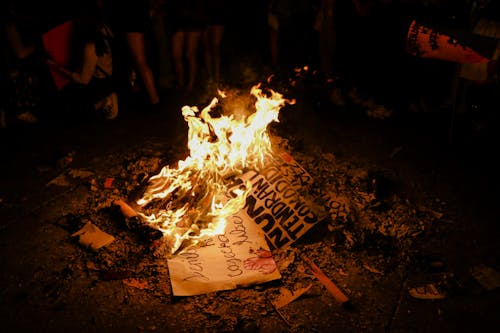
(64, 178)
(60, 180)
(90, 236)
(286, 296)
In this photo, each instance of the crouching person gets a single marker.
(91, 89)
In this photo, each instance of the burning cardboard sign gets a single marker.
(278, 201)
(222, 208)
(237, 258)
(275, 214)
(194, 199)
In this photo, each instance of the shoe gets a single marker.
(428, 291)
(27, 117)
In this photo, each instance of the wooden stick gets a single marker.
(330, 286)
(126, 210)
(134, 222)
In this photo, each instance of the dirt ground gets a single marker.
(418, 209)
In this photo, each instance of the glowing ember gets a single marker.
(192, 201)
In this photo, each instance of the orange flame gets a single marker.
(191, 201)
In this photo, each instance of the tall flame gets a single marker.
(192, 201)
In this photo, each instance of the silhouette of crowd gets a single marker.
(101, 58)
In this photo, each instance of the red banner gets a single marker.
(57, 44)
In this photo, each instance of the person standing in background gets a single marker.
(185, 22)
(291, 32)
(327, 39)
(273, 26)
(217, 18)
(161, 55)
(92, 87)
(131, 25)
(24, 74)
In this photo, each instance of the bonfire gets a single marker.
(192, 200)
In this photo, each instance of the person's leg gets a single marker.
(136, 44)
(273, 26)
(327, 43)
(273, 46)
(162, 51)
(192, 41)
(177, 46)
(217, 34)
(207, 52)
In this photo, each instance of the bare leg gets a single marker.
(177, 58)
(207, 37)
(192, 41)
(137, 48)
(216, 41)
(327, 50)
(273, 45)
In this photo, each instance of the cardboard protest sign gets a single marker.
(279, 202)
(239, 257)
(426, 41)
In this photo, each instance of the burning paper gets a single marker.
(274, 214)
(191, 201)
(222, 209)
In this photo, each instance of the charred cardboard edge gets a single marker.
(134, 222)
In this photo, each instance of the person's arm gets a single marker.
(88, 67)
(20, 49)
(89, 63)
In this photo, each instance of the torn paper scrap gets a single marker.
(286, 296)
(60, 180)
(486, 276)
(82, 174)
(92, 237)
(108, 183)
